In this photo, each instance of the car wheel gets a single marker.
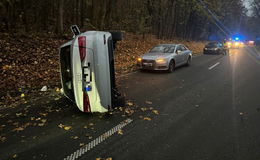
(188, 63)
(116, 36)
(171, 66)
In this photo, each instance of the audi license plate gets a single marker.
(148, 64)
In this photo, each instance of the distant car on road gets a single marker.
(165, 57)
(235, 44)
(215, 48)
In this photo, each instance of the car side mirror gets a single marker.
(178, 52)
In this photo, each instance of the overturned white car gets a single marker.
(87, 70)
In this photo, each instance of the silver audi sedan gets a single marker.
(165, 57)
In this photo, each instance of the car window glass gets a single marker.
(183, 48)
(163, 49)
(178, 48)
(212, 44)
(171, 49)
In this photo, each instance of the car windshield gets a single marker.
(212, 44)
(163, 49)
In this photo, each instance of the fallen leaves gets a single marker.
(22, 95)
(129, 111)
(20, 128)
(155, 112)
(57, 90)
(43, 114)
(147, 119)
(144, 109)
(148, 102)
(2, 138)
(43, 122)
(2, 127)
(130, 103)
(18, 114)
(15, 156)
(66, 128)
(82, 144)
(28, 60)
(74, 137)
(44, 89)
(120, 132)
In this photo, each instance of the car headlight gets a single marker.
(139, 59)
(160, 60)
(215, 49)
(206, 48)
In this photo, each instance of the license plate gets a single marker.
(148, 64)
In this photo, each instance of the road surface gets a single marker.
(208, 111)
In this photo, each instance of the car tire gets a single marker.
(120, 101)
(188, 63)
(116, 36)
(171, 66)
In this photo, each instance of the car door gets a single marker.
(178, 55)
(184, 54)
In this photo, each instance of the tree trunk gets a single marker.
(60, 17)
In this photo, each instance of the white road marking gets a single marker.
(215, 65)
(98, 140)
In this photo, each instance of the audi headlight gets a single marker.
(160, 60)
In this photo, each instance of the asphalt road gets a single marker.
(208, 111)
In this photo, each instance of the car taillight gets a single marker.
(86, 104)
(82, 47)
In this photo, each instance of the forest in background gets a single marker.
(167, 19)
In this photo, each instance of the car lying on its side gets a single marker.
(165, 57)
(215, 48)
(87, 70)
